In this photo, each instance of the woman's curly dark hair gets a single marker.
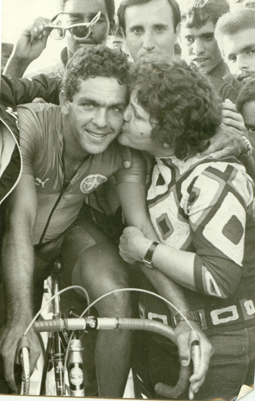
(181, 100)
(91, 62)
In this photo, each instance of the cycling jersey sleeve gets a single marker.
(24, 90)
(29, 138)
(136, 173)
(216, 209)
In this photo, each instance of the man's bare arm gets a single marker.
(17, 271)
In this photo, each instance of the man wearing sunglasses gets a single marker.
(74, 13)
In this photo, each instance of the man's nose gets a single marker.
(148, 41)
(198, 46)
(249, 3)
(100, 117)
(242, 63)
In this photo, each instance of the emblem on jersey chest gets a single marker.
(91, 182)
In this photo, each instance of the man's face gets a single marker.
(239, 53)
(248, 113)
(200, 47)
(236, 5)
(117, 42)
(84, 11)
(95, 115)
(150, 29)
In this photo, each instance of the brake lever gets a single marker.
(23, 346)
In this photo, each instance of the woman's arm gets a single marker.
(133, 201)
(217, 225)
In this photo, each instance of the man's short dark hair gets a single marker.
(232, 23)
(184, 108)
(246, 95)
(198, 13)
(110, 7)
(92, 62)
(129, 3)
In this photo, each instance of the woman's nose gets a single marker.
(126, 114)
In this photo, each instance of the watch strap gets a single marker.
(249, 147)
(147, 260)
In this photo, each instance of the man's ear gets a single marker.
(64, 103)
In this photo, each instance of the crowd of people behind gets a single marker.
(135, 150)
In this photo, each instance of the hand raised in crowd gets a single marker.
(30, 45)
(231, 117)
(10, 353)
(228, 140)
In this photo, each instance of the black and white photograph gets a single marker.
(127, 199)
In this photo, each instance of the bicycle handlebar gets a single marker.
(91, 323)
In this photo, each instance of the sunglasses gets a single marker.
(79, 31)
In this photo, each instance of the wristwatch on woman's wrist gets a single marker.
(147, 260)
(249, 147)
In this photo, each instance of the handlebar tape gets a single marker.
(171, 392)
(89, 323)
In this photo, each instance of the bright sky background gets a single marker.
(18, 14)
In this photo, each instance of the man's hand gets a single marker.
(228, 140)
(185, 337)
(231, 117)
(33, 40)
(30, 45)
(10, 337)
(133, 245)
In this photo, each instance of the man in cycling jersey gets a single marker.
(68, 151)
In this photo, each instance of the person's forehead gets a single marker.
(238, 41)
(85, 6)
(208, 28)
(99, 89)
(154, 12)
